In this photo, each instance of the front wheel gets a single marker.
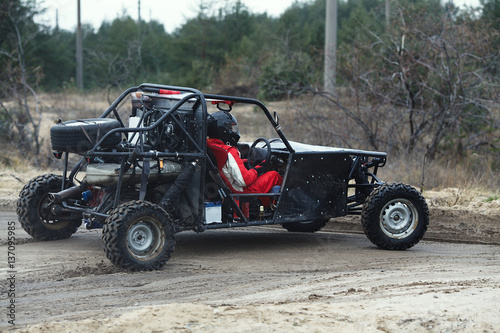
(138, 236)
(395, 217)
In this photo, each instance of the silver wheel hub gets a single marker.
(144, 239)
(398, 218)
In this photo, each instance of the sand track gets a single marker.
(257, 279)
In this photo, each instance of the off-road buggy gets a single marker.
(148, 177)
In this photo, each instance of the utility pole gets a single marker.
(139, 11)
(387, 14)
(79, 51)
(330, 46)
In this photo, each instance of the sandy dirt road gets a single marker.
(258, 279)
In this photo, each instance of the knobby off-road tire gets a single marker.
(310, 226)
(138, 236)
(73, 136)
(395, 217)
(34, 214)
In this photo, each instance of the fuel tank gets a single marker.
(108, 173)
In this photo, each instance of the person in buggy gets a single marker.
(223, 136)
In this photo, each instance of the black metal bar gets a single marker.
(237, 224)
(141, 130)
(375, 170)
(65, 170)
(276, 126)
(355, 206)
(354, 166)
(360, 185)
(104, 201)
(83, 210)
(139, 138)
(119, 183)
(366, 153)
(115, 112)
(255, 194)
(118, 101)
(75, 169)
(154, 154)
(153, 87)
(375, 179)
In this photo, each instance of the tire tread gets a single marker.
(374, 204)
(27, 209)
(114, 237)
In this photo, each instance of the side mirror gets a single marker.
(276, 118)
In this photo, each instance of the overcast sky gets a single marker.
(171, 13)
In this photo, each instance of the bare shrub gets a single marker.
(432, 76)
(18, 80)
(313, 119)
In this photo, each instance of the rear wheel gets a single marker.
(309, 226)
(34, 213)
(138, 236)
(395, 217)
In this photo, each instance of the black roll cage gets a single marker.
(359, 157)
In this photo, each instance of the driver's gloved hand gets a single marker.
(261, 169)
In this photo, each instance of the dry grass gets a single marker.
(53, 106)
(313, 121)
(472, 171)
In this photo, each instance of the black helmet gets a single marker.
(223, 126)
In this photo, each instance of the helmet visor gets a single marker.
(235, 128)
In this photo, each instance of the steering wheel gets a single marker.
(253, 156)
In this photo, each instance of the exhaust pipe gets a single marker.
(69, 193)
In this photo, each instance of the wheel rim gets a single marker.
(47, 219)
(145, 239)
(398, 218)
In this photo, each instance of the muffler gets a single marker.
(69, 193)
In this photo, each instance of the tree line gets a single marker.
(219, 41)
(429, 72)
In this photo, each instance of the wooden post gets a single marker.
(330, 46)
(79, 51)
(139, 11)
(387, 14)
